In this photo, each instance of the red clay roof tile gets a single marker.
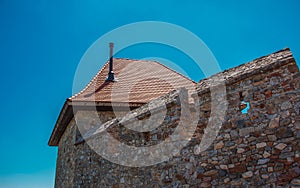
(138, 81)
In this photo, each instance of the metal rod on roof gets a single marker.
(111, 76)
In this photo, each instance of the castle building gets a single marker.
(256, 146)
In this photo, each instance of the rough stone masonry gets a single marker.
(256, 148)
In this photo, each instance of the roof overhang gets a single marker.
(71, 107)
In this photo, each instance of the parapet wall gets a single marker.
(259, 148)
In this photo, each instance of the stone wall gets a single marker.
(67, 159)
(65, 163)
(259, 148)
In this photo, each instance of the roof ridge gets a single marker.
(126, 58)
(155, 61)
(175, 71)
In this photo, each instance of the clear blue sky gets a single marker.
(42, 41)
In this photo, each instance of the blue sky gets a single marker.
(42, 42)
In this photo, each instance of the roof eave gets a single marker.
(67, 113)
(54, 140)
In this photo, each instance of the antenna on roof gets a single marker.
(111, 76)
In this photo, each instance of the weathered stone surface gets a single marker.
(263, 161)
(286, 105)
(284, 132)
(240, 150)
(270, 108)
(274, 123)
(278, 166)
(234, 134)
(268, 93)
(297, 124)
(270, 169)
(272, 138)
(219, 145)
(237, 168)
(266, 154)
(286, 155)
(261, 145)
(293, 68)
(226, 180)
(248, 174)
(285, 121)
(224, 167)
(205, 184)
(211, 173)
(246, 131)
(280, 146)
(229, 144)
(296, 181)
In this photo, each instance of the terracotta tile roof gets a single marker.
(138, 81)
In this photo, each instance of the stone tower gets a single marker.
(258, 147)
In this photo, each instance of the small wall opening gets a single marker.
(244, 107)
